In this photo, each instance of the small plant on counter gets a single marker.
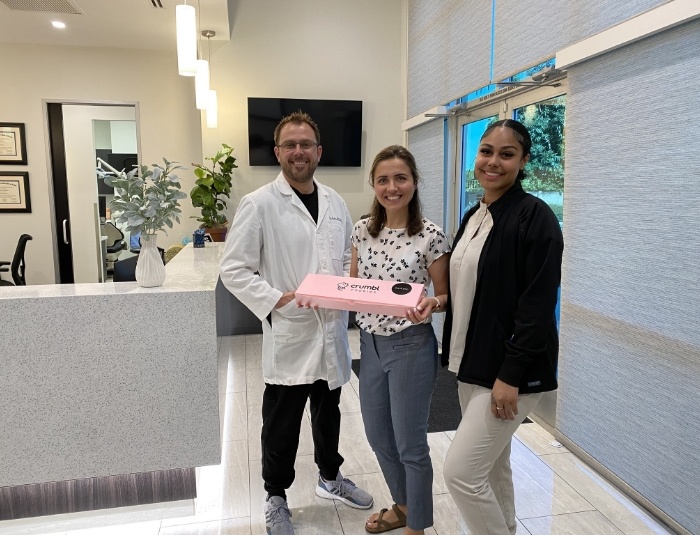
(147, 200)
(212, 187)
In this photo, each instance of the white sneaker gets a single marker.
(278, 517)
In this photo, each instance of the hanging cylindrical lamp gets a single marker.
(212, 105)
(186, 24)
(212, 110)
(201, 84)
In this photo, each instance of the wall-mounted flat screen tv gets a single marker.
(340, 123)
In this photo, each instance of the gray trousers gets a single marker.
(477, 466)
(397, 378)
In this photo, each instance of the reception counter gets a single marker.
(112, 379)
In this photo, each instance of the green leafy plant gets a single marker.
(213, 184)
(147, 200)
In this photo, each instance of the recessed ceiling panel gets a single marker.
(48, 6)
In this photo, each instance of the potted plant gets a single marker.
(146, 201)
(213, 184)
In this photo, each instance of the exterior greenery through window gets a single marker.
(545, 121)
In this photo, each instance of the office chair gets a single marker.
(18, 265)
(125, 270)
(115, 243)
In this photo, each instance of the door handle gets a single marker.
(65, 233)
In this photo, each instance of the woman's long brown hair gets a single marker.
(377, 216)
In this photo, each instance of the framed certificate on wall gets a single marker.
(14, 192)
(13, 144)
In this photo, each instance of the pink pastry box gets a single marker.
(361, 295)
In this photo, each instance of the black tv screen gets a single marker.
(340, 123)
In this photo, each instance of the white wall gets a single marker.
(313, 49)
(169, 125)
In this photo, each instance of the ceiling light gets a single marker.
(58, 24)
(201, 84)
(186, 24)
(210, 100)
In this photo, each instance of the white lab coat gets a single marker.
(273, 243)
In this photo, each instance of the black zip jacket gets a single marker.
(512, 331)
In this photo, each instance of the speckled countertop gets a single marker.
(191, 270)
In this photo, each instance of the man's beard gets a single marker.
(298, 175)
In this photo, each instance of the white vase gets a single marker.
(150, 270)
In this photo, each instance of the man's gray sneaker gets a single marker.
(344, 490)
(278, 517)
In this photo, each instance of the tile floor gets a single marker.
(556, 493)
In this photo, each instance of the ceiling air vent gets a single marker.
(157, 3)
(48, 6)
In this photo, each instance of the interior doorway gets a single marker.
(78, 133)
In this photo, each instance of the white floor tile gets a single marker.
(236, 526)
(538, 440)
(235, 417)
(349, 399)
(584, 523)
(358, 455)
(141, 528)
(255, 386)
(614, 505)
(254, 429)
(223, 491)
(439, 444)
(538, 490)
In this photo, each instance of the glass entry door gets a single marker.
(542, 111)
(471, 134)
(545, 172)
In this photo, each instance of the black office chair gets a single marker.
(125, 270)
(17, 265)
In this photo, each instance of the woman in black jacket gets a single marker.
(500, 334)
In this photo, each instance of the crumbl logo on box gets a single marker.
(362, 288)
(342, 286)
(401, 288)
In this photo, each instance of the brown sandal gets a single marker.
(384, 526)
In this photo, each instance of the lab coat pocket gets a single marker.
(291, 324)
(337, 240)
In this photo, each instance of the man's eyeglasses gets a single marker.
(292, 145)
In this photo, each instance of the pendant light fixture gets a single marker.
(186, 25)
(201, 84)
(211, 102)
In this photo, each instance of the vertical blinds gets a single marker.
(630, 352)
(449, 50)
(527, 33)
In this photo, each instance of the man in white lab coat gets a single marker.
(281, 232)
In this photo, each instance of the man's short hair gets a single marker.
(297, 117)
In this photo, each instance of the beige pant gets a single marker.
(477, 467)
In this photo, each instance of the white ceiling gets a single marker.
(105, 23)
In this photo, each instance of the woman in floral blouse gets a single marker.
(399, 354)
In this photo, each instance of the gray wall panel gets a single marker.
(527, 33)
(630, 353)
(449, 50)
(426, 142)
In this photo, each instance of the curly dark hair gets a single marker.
(377, 216)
